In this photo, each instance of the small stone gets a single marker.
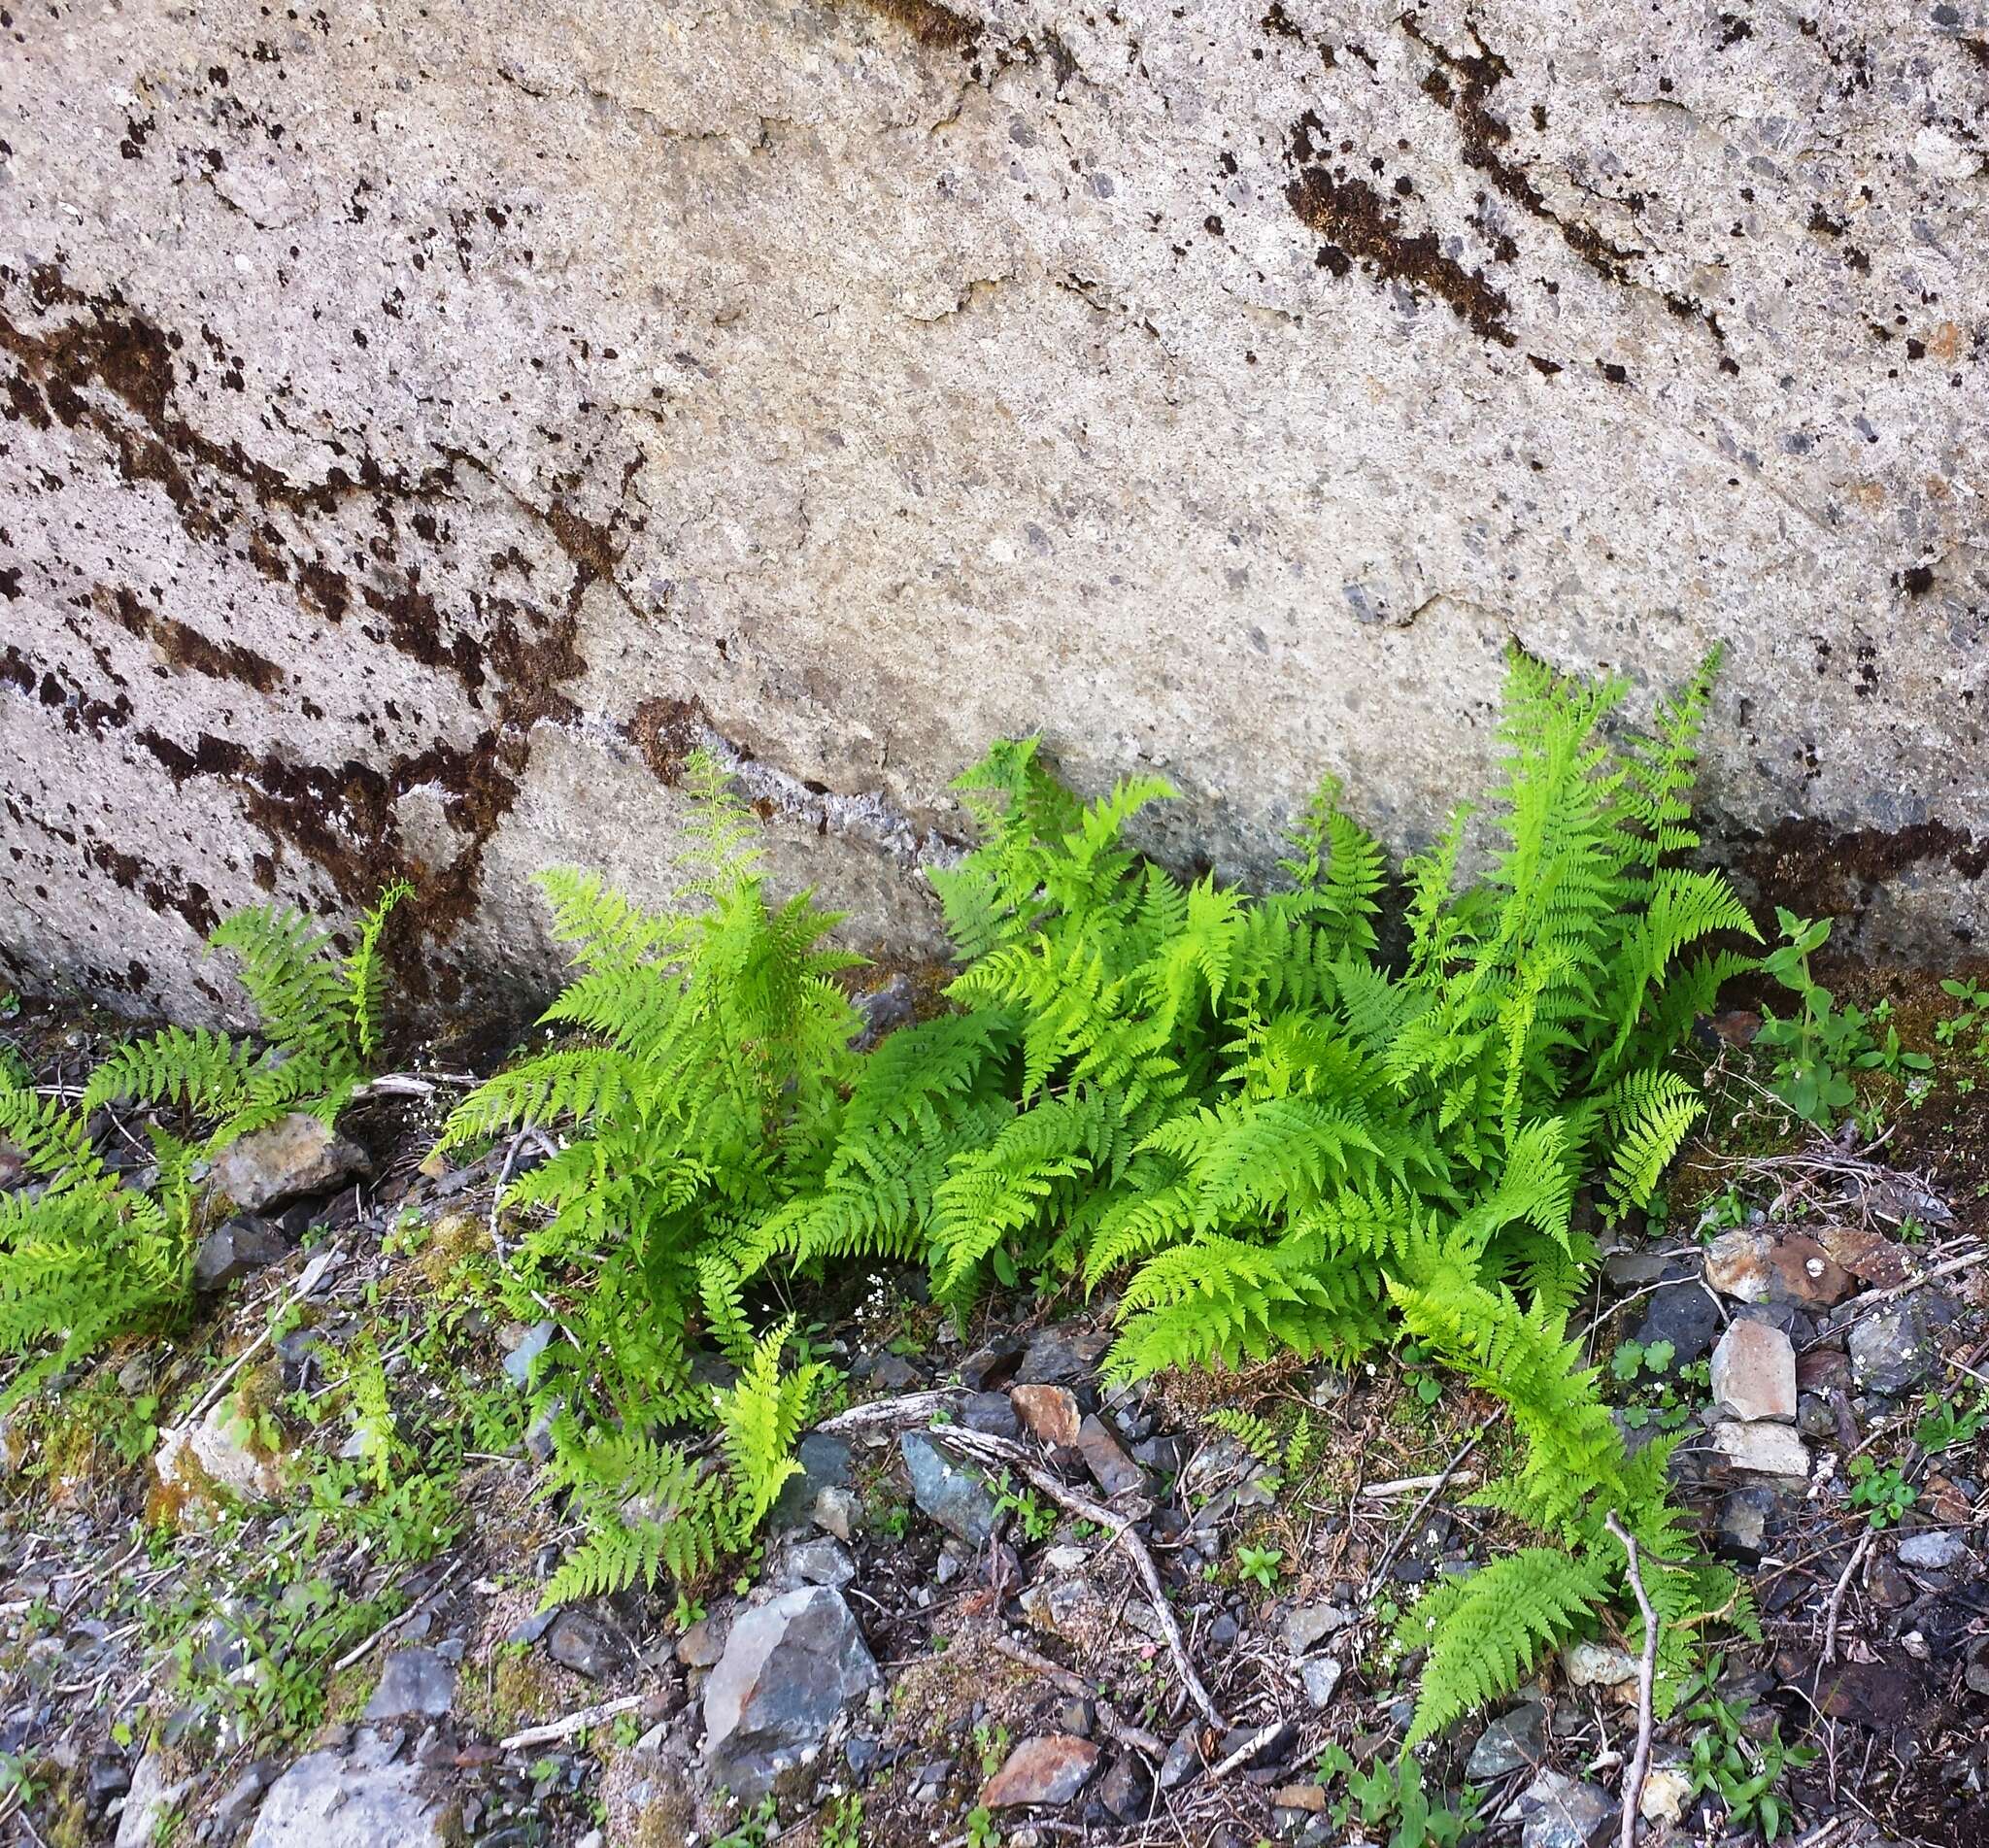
(1050, 1769)
(1597, 1665)
(1887, 1586)
(1077, 1716)
(790, 1668)
(1310, 1797)
(1059, 1357)
(297, 1155)
(239, 1249)
(1561, 1813)
(823, 1561)
(413, 1684)
(1763, 1449)
(1049, 1413)
(332, 1801)
(1067, 1558)
(988, 1368)
(529, 1344)
(1741, 1529)
(1126, 1789)
(1816, 1418)
(151, 1799)
(1183, 1760)
(1736, 1265)
(1112, 1469)
(839, 1511)
(1754, 1372)
(1321, 1675)
(576, 1641)
(826, 1464)
(1934, 1550)
(956, 1496)
(1309, 1624)
(1666, 1792)
(991, 1413)
(240, 1797)
(701, 1645)
(1681, 1316)
(1514, 1741)
(893, 1373)
(221, 1452)
(1059, 1607)
(1823, 1370)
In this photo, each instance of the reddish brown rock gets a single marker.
(1869, 1258)
(1050, 1769)
(1803, 1272)
(1049, 1413)
(1823, 1370)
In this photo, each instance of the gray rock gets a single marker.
(151, 1799)
(238, 1802)
(1741, 1532)
(1061, 1357)
(839, 1512)
(826, 1464)
(893, 1373)
(1309, 1624)
(701, 1645)
(1047, 1770)
(1684, 1315)
(1112, 1469)
(1560, 1813)
(584, 1644)
(327, 1801)
(1126, 1789)
(988, 1368)
(823, 1561)
(991, 1413)
(950, 1492)
(790, 1668)
(294, 1156)
(533, 1342)
(1933, 1550)
(413, 1684)
(237, 1249)
(1321, 1675)
(1894, 1349)
(1183, 1760)
(1762, 1449)
(1514, 1741)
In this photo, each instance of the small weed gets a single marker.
(1391, 1796)
(1033, 1515)
(990, 1741)
(1884, 1494)
(844, 1825)
(981, 1830)
(1746, 1772)
(752, 1829)
(1946, 1426)
(1261, 1564)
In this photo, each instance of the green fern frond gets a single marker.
(1486, 1633)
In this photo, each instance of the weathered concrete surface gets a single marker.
(424, 422)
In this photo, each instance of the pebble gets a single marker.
(1112, 1469)
(1561, 1813)
(1933, 1550)
(413, 1684)
(1049, 1769)
(579, 1642)
(1311, 1623)
(1321, 1675)
(1049, 1413)
(1514, 1741)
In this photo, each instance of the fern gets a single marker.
(89, 1255)
(1485, 1634)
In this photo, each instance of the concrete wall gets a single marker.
(425, 421)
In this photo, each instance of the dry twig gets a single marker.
(1647, 1682)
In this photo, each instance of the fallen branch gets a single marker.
(358, 1651)
(1646, 1683)
(1837, 1596)
(573, 1723)
(312, 1275)
(911, 1408)
(1435, 1487)
(1248, 1750)
(1137, 1737)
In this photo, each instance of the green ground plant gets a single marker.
(1285, 1141)
(92, 1252)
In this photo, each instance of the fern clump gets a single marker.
(1282, 1140)
(87, 1253)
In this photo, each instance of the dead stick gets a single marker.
(1837, 1596)
(1647, 1682)
(1248, 1750)
(1138, 1738)
(573, 1723)
(1422, 1508)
